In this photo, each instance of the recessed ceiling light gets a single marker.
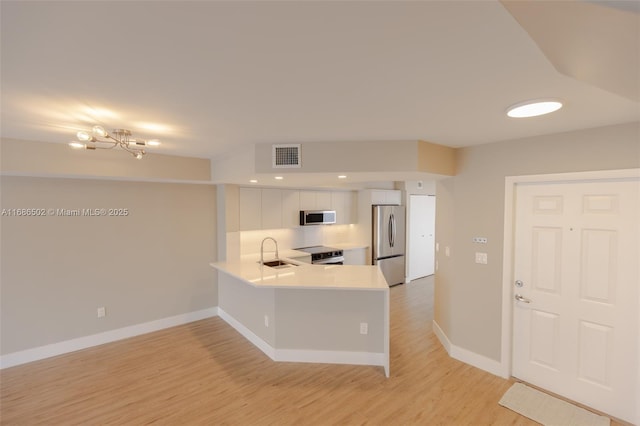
(342, 177)
(533, 108)
(253, 181)
(278, 178)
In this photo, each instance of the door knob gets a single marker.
(522, 299)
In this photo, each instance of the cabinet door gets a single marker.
(308, 200)
(290, 208)
(271, 209)
(337, 204)
(378, 197)
(386, 196)
(250, 209)
(355, 256)
(315, 200)
(343, 202)
(394, 197)
(323, 200)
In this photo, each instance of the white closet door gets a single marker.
(422, 215)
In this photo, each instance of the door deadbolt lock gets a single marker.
(519, 283)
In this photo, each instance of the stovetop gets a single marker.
(319, 249)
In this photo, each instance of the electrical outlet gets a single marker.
(481, 258)
(102, 312)
(364, 328)
(266, 320)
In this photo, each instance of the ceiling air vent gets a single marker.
(286, 156)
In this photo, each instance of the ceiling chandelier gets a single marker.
(99, 138)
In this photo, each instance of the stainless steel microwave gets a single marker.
(317, 217)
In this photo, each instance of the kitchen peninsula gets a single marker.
(308, 313)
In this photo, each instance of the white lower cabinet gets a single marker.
(355, 256)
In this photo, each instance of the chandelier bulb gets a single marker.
(139, 156)
(83, 136)
(77, 145)
(99, 131)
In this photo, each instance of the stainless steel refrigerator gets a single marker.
(388, 242)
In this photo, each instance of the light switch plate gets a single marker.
(481, 258)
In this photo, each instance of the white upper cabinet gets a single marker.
(315, 200)
(271, 208)
(344, 203)
(323, 200)
(250, 209)
(290, 208)
(386, 196)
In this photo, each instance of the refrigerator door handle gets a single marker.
(390, 230)
(392, 221)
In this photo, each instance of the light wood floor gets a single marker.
(206, 373)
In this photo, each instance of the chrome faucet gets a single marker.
(262, 249)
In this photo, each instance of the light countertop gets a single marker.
(349, 246)
(344, 277)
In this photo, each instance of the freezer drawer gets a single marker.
(393, 269)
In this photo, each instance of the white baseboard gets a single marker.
(54, 349)
(330, 357)
(303, 355)
(468, 357)
(248, 334)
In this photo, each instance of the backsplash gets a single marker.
(290, 238)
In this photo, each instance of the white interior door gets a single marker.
(575, 327)
(422, 220)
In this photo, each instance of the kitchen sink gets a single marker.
(279, 264)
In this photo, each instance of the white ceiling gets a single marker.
(209, 78)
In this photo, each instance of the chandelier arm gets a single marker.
(132, 151)
(102, 147)
(112, 144)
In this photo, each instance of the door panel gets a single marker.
(576, 323)
(421, 235)
(596, 347)
(545, 332)
(381, 227)
(399, 244)
(546, 259)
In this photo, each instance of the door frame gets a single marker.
(508, 256)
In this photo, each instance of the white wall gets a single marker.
(56, 271)
(468, 296)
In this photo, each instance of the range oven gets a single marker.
(321, 255)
